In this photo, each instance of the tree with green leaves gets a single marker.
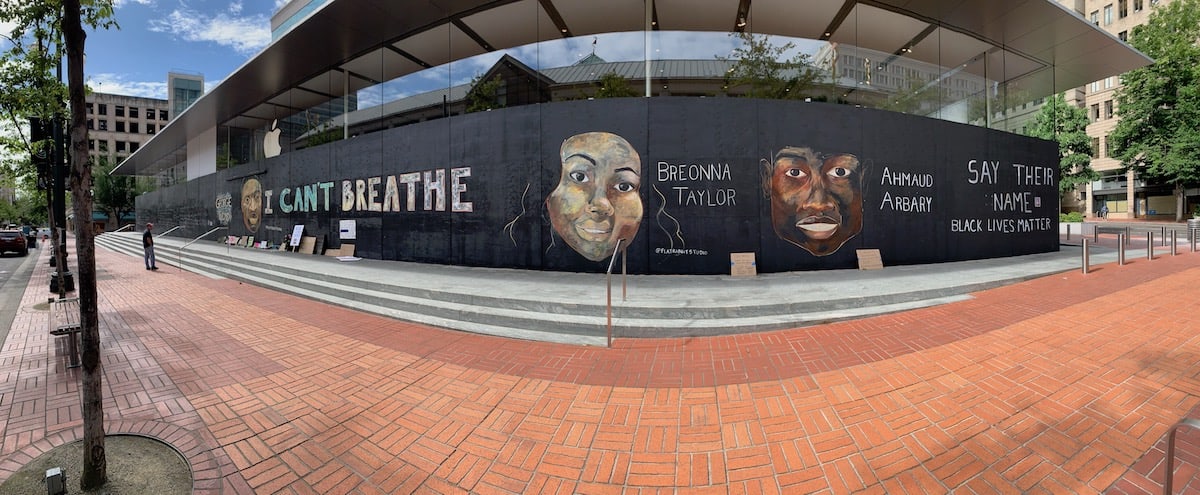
(55, 27)
(612, 85)
(1158, 134)
(760, 68)
(1066, 124)
(484, 95)
(116, 195)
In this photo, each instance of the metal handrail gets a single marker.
(173, 229)
(189, 243)
(608, 279)
(130, 226)
(1169, 476)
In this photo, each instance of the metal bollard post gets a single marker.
(1068, 231)
(1192, 239)
(1121, 249)
(1085, 256)
(1174, 241)
(1149, 245)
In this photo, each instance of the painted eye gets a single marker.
(795, 172)
(839, 172)
(578, 177)
(623, 187)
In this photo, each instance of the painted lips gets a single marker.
(593, 231)
(818, 227)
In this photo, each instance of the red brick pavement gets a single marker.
(1064, 384)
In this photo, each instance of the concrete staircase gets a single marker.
(571, 307)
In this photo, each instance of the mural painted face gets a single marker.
(251, 204)
(597, 201)
(816, 202)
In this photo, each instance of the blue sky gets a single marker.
(210, 37)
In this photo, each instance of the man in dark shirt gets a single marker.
(148, 245)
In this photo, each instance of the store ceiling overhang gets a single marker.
(353, 44)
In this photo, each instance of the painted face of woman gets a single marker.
(598, 200)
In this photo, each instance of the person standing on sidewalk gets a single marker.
(148, 245)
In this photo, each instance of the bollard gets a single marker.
(1068, 231)
(1121, 249)
(1174, 241)
(1085, 256)
(1149, 245)
(1192, 239)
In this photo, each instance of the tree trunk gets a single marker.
(1180, 203)
(95, 464)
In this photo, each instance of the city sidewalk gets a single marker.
(1063, 384)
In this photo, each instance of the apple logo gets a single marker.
(271, 141)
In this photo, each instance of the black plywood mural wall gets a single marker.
(683, 182)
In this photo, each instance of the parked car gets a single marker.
(13, 240)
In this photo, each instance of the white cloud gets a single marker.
(246, 35)
(121, 3)
(117, 84)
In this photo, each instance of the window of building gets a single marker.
(1109, 81)
(1095, 86)
(1137, 5)
(149, 128)
(1123, 35)
(1108, 14)
(103, 109)
(120, 146)
(92, 144)
(162, 115)
(133, 128)
(1095, 114)
(1095, 147)
(103, 125)
(1095, 17)
(91, 108)
(133, 147)
(1103, 146)
(149, 114)
(103, 146)
(91, 125)
(120, 126)
(119, 110)
(1108, 109)
(133, 112)
(1122, 9)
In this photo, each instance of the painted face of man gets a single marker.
(816, 202)
(251, 204)
(597, 201)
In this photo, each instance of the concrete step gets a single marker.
(569, 307)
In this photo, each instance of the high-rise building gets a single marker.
(183, 90)
(291, 14)
(118, 125)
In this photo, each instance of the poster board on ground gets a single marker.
(742, 265)
(297, 233)
(869, 259)
(307, 244)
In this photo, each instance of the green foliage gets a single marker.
(612, 85)
(1067, 124)
(484, 95)
(1073, 216)
(1159, 105)
(115, 194)
(29, 86)
(759, 67)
